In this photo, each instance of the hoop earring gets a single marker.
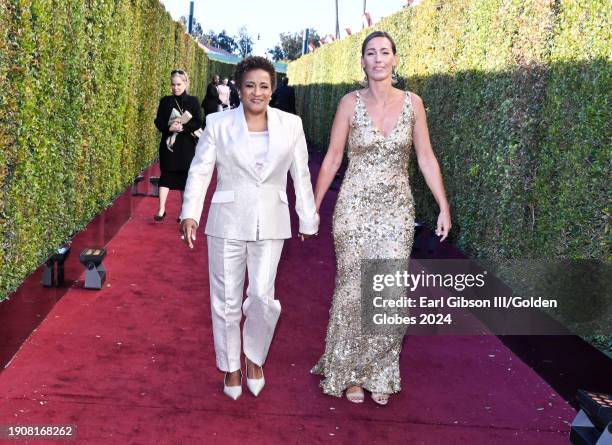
(394, 77)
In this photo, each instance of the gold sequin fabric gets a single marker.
(373, 219)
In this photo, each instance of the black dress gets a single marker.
(234, 96)
(175, 164)
(211, 100)
(284, 99)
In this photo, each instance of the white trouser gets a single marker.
(227, 260)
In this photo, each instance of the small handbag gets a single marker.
(183, 118)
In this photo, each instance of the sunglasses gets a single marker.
(177, 72)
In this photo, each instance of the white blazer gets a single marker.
(246, 205)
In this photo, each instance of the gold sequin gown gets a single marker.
(373, 219)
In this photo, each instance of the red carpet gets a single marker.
(134, 364)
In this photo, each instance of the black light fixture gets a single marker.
(53, 272)
(95, 273)
(136, 184)
(593, 423)
(154, 180)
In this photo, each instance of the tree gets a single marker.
(197, 30)
(222, 40)
(290, 47)
(241, 44)
(276, 53)
(244, 42)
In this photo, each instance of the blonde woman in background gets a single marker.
(175, 159)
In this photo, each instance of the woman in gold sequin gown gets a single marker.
(373, 217)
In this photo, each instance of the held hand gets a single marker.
(188, 228)
(444, 224)
(176, 127)
(304, 237)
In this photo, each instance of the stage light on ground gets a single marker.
(154, 180)
(593, 424)
(53, 273)
(95, 273)
(135, 186)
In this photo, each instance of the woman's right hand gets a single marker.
(188, 228)
(176, 127)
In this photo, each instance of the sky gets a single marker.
(268, 18)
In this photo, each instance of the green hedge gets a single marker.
(79, 87)
(516, 94)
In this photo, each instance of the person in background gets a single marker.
(211, 99)
(234, 96)
(284, 97)
(224, 95)
(177, 145)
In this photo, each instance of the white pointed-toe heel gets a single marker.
(254, 385)
(233, 392)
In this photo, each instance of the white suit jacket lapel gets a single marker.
(240, 137)
(276, 136)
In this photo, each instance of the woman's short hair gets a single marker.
(182, 74)
(254, 63)
(373, 35)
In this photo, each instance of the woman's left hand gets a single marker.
(444, 224)
(304, 237)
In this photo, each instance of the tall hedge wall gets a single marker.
(80, 83)
(517, 96)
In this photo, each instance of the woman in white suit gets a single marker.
(253, 147)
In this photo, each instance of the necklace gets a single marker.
(384, 102)
(384, 117)
(177, 104)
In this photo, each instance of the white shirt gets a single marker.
(259, 144)
(224, 94)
